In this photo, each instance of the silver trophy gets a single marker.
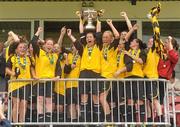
(90, 15)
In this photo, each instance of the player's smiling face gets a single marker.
(107, 38)
(21, 50)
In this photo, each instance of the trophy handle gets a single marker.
(78, 13)
(100, 12)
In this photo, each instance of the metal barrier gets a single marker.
(174, 102)
(88, 102)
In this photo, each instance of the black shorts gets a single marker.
(104, 85)
(86, 87)
(116, 93)
(71, 96)
(59, 99)
(162, 88)
(151, 90)
(135, 90)
(44, 89)
(23, 92)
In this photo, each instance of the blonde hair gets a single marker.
(109, 32)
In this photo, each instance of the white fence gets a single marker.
(90, 102)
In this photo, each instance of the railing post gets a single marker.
(173, 108)
(50, 125)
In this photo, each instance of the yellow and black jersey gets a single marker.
(150, 67)
(137, 69)
(21, 66)
(120, 62)
(91, 59)
(60, 86)
(73, 73)
(7, 53)
(108, 62)
(10, 50)
(45, 64)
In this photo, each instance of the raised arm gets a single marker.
(132, 30)
(34, 41)
(81, 22)
(172, 54)
(81, 28)
(12, 37)
(98, 25)
(115, 32)
(61, 37)
(153, 16)
(76, 43)
(69, 33)
(128, 22)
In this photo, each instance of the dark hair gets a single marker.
(13, 47)
(141, 44)
(91, 33)
(49, 38)
(23, 39)
(175, 44)
(124, 31)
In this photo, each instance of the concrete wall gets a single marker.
(66, 10)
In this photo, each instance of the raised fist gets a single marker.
(40, 29)
(69, 32)
(63, 30)
(123, 14)
(109, 21)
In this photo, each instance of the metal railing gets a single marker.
(88, 102)
(174, 102)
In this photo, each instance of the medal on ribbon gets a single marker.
(22, 65)
(50, 57)
(90, 52)
(75, 58)
(105, 52)
(118, 57)
(134, 53)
